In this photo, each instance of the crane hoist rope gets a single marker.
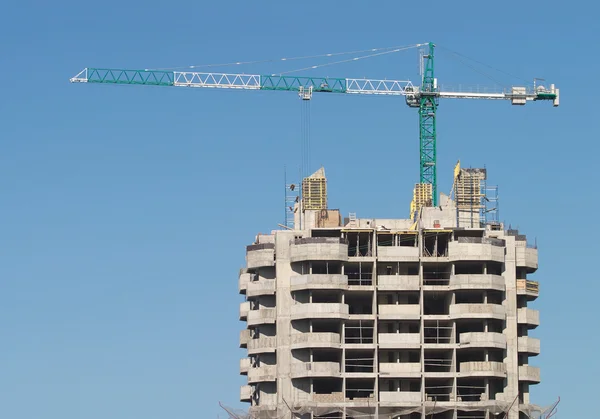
(424, 97)
(287, 59)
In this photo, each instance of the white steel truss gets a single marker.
(379, 87)
(218, 80)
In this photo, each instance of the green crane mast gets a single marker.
(427, 135)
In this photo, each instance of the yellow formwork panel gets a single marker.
(422, 196)
(314, 192)
(468, 192)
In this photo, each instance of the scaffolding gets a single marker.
(469, 195)
(314, 191)
(490, 212)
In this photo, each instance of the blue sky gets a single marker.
(125, 210)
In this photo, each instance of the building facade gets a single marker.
(389, 318)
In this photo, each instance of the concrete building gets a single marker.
(389, 318)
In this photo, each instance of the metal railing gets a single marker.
(359, 278)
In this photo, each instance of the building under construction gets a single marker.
(350, 317)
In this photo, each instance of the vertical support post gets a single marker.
(428, 103)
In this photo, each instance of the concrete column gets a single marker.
(454, 383)
(510, 331)
(284, 301)
(421, 321)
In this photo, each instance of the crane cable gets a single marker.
(334, 54)
(350, 59)
(304, 138)
(456, 56)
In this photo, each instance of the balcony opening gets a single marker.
(469, 326)
(386, 239)
(467, 233)
(358, 332)
(328, 386)
(469, 297)
(479, 326)
(391, 239)
(326, 355)
(476, 414)
(301, 268)
(404, 356)
(409, 297)
(262, 360)
(360, 389)
(480, 355)
(262, 301)
(436, 303)
(302, 296)
(359, 273)
(436, 274)
(326, 268)
(325, 296)
(360, 303)
(523, 390)
(266, 272)
(495, 326)
(470, 389)
(398, 268)
(409, 240)
(300, 355)
(326, 233)
(523, 359)
(521, 273)
(468, 268)
(300, 326)
(495, 297)
(359, 361)
(403, 326)
(438, 389)
(435, 244)
(522, 330)
(437, 332)
(496, 386)
(438, 361)
(400, 385)
(316, 355)
(326, 326)
(360, 244)
(360, 412)
(264, 331)
(336, 415)
(413, 415)
(494, 268)
(444, 415)
(470, 355)
(265, 393)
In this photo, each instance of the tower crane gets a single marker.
(424, 97)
